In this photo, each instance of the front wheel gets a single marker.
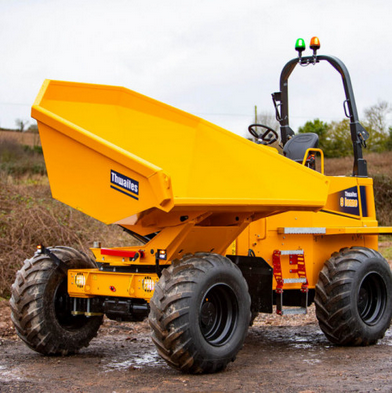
(200, 313)
(353, 297)
(40, 305)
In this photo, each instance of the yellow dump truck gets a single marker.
(227, 228)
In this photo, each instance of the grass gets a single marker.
(29, 216)
(378, 164)
(385, 248)
(17, 160)
(386, 252)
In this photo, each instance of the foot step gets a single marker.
(301, 280)
(294, 311)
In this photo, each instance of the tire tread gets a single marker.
(28, 304)
(169, 312)
(333, 296)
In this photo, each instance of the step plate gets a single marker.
(294, 280)
(302, 231)
(291, 252)
(294, 311)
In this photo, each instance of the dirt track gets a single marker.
(288, 354)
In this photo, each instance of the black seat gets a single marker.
(296, 147)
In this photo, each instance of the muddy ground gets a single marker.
(281, 354)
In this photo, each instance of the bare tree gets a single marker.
(268, 119)
(21, 124)
(376, 124)
(376, 116)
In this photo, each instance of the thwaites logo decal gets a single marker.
(124, 184)
(345, 201)
(349, 198)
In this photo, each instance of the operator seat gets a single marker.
(295, 148)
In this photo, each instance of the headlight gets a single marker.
(148, 284)
(80, 280)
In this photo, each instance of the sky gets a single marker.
(215, 59)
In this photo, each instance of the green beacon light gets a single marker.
(300, 46)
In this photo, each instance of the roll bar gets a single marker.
(358, 133)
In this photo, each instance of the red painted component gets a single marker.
(293, 261)
(302, 271)
(121, 253)
(277, 271)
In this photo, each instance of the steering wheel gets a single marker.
(268, 137)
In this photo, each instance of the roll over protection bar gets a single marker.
(358, 133)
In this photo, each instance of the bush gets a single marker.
(388, 143)
(383, 198)
(17, 160)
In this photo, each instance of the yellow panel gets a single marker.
(318, 234)
(100, 283)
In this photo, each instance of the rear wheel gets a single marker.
(200, 313)
(40, 305)
(353, 297)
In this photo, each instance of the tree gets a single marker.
(266, 118)
(33, 128)
(21, 124)
(376, 116)
(338, 140)
(335, 138)
(376, 125)
(388, 144)
(318, 127)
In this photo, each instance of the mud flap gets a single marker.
(258, 274)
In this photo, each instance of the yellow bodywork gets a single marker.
(317, 234)
(95, 282)
(180, 162)
(127, 159)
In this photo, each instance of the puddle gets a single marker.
(387, 340)
(9, 374)
(140, 360)
(312, 361)
(310, 341)
(302, 346)
(306, 340)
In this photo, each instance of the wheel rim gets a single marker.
(372, 299)
(62, 309)
(218, 314)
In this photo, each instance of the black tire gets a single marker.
(200, 313)
(253, 316)
(39, 305)
(353, 297)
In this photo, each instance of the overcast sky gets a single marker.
(213, 58)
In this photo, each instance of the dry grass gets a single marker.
(23, 138)
(17, 160)
(378, 164)
(385, 248)
(29, 216)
